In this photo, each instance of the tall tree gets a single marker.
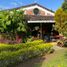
(60, 18)
(64, 5)
(12, 21)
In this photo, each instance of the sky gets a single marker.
(50, 4)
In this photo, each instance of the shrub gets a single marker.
(60, 43)
(33, 43)
(22, 53)
(7, 47)
(14, 47)
(65, 43)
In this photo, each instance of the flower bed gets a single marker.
(13, 54)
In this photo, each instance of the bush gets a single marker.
(35, 48)
(60, 43)
(14, 47)
(7, 47)
(65, 43)
(33, 43)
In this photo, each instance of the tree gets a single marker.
(60, 18)
(3, 18)
(64, 5)
(12, 22)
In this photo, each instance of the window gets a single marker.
(36, 11)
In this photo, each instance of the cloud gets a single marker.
(20, 3)
(16, 3)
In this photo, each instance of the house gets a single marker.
(39, 18)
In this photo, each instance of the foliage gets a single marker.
(64, 5)
(60, 43)
(61, 21)
(7, 47)
(65, 43)
(21, 52)
(35, 42)
(12, 22)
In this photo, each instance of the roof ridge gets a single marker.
(36, 4)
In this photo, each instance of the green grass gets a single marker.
(58, 59)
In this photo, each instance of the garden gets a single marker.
(17, 48)
(11, 55)
(56, 59)
(15, 45)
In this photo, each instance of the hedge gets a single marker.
(8, 58)
(7, 47)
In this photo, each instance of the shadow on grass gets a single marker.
(34, 62)
(55, 59)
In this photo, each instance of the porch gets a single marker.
(41, 30)
(40, 26)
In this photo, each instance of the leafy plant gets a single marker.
(13, 54)
(12, 23)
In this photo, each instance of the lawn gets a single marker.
(57, 59)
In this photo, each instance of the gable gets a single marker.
(28, 10)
